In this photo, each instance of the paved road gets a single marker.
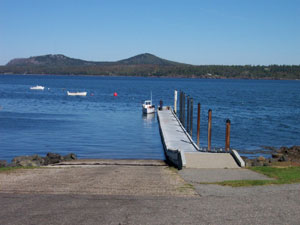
(45, 200)
(280, 207)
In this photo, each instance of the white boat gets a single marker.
(37, 87)
(148, 107)
(83, 93)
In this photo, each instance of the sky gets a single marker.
(199, 32)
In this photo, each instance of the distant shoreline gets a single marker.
(146, 65)
(141, 76)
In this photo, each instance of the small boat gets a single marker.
(148, 107)
(83, 93)
(37, 87)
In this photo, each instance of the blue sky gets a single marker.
(229, 32)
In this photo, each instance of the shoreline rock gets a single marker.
(3, 163)
(37, 161)
(282, 155)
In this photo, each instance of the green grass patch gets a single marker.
(287, 175)
(172, 169)
(186, 187)
(10, 169)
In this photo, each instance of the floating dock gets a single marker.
(181, 150)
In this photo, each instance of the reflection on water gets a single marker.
(149, 118)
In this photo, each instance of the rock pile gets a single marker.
(290, 154)
(2, 163)
(36, 160)
(284, 154)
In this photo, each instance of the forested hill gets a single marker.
(61, 60)
(144, 65)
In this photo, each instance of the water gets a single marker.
(262, 113)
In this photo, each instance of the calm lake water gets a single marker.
(262, 113)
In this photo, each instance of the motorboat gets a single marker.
(83, 93)
(148, 107)
(37, 87)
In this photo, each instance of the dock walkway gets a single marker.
(182, 151)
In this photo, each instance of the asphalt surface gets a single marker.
(48, 198)
(283, 208)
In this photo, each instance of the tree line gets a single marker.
(188, 71)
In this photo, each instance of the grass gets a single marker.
(286, 175)
(172, 169)
(186, 187)
(10, 169)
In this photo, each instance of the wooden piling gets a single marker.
(180, 106)
(175, 101)
(198, 125)
(209, 130)
(183, 109)
(188, 114)
(227, 136)
(191, 117)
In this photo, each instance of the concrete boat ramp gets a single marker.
(181, 150)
